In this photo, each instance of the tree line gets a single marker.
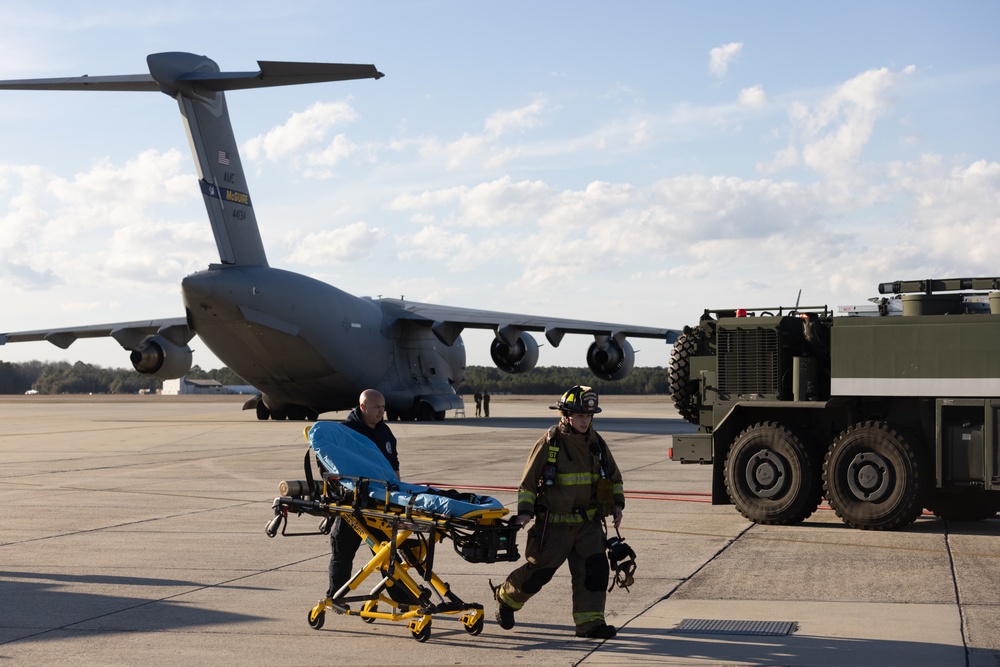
(79, 378)
(62, 377)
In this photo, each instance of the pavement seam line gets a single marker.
(958, 597)
(686, 579)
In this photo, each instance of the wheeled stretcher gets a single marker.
(401, 523)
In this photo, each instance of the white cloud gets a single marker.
(499, 203)
(956, 210)
(340, 148)
(829, 137)
(55, 227)
(720, 57)
(485, 148)
(454, 251)
(753, 97)
(302, 131)
(503, 121)
(350, 243)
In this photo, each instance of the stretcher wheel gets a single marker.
(371, 605)
(316, 619)
(475, 628)
(423, 634)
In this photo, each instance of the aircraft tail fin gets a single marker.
(197, 84)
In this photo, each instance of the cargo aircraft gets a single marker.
(306, 346)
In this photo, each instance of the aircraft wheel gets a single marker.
(770, 475)
(873, 477)
(263, 414)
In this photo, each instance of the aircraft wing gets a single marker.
(128, 334)
(447, 323)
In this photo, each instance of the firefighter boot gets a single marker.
(505, 613)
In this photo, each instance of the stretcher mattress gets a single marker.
(347, 454)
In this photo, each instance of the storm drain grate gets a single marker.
(708, 626)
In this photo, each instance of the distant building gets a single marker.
(185, 386)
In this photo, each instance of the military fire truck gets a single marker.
(882, 409)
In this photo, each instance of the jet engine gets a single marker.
(160, 358)
(520, 357)
(610, 360)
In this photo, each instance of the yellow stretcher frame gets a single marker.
(402, 541)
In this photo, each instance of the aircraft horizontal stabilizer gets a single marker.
(170, 69)
(127, 82)
(285, 74)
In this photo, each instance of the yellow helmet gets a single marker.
(578, 399)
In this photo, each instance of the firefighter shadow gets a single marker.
(549, 644)
(36, 604)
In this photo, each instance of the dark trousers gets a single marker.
(344, 543)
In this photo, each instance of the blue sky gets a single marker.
(636, 162)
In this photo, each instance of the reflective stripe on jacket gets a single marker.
(577, 472)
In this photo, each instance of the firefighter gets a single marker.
(570, 483)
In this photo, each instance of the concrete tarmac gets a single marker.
(133, 534)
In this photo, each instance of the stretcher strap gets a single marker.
(309, 478)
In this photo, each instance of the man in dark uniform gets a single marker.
(570, 483)
(366, 419)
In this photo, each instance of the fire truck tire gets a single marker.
(873, 477)
(684, 388)
(771, 475)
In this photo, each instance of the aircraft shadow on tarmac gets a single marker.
(44, 605)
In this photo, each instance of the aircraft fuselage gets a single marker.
(303, 342)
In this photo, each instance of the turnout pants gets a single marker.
(582, 544)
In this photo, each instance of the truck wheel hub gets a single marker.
(766, 474)
(867, 477)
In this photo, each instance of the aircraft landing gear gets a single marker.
(295, 412)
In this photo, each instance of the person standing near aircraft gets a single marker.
(366, 419)
(486, 404)
(479, 403)
(570, 483)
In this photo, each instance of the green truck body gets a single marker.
(883, 415)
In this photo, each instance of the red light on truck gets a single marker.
(741, 312)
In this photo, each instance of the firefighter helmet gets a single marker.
(578, 399)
